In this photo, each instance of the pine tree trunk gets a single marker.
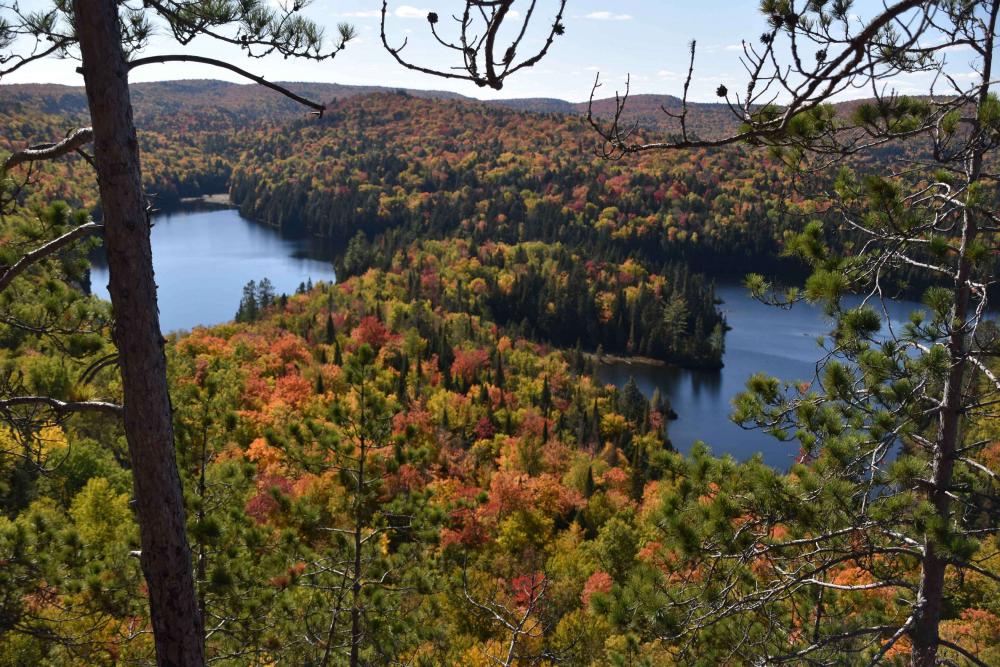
(166, 557)
(930, 597)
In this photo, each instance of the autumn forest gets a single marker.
(417, 463)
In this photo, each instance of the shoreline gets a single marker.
(216, 199)
(629, 360)
(639, 360)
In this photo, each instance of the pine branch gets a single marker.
(819, 86)
(7, 274)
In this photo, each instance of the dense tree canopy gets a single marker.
(416, 465)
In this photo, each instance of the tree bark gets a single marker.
(930, 597)
(166, 557)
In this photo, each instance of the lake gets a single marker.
(781, 343)
(203, 258)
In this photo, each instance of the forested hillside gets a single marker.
(480, 445)
(528, 175)
(420, 167)
(419, 462)
(550, 293)
(418, 164)
(500, 483)
(384, 170)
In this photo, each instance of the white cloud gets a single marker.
(365, 14)
(411, 12)
(607, 16)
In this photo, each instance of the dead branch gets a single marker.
(177, 58)
(479, 27)
(61, 408)
(50, 151)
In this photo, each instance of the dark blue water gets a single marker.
(203, 259)
(781, 343)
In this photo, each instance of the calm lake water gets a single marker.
(204, 258)
(781, 343)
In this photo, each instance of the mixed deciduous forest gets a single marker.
(415, 465)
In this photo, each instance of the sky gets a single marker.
(645, 39)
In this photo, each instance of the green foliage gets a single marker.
(370, 452)
(257, 297)
(549, 293)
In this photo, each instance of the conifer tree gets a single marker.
(108, 39)
(330, 332)
(890, 480)
(355, 579)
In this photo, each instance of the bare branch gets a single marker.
(831, 76)
(968, 655)
(62, 408)
(482, 62)
(176, 58)
(76, 140)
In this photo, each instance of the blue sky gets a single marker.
(645, 38)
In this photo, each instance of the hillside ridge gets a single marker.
(243, 97)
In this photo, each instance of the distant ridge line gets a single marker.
(330, 92)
